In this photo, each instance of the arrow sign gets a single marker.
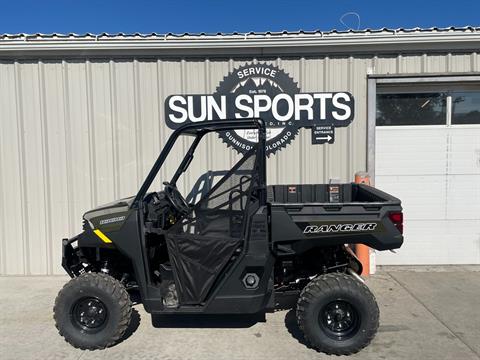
(328, 138)
(323, 134)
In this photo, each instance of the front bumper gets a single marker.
(70, 259)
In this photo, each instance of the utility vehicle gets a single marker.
(233, 246)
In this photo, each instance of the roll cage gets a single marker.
(198, 130)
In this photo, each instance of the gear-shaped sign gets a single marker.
(267, 80)
(261, 91)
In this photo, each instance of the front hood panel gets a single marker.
(111, 216)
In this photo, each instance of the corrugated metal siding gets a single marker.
(78, 133)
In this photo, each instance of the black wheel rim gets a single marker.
(89, 314)
(339, 319)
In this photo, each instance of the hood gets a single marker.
(111, 215)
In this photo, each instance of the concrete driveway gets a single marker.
(426, 313)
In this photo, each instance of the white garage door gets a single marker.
(428, 155)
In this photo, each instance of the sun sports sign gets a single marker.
(267, 92)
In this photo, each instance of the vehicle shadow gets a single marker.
(206, 321)
(132, 327)
(212, 321)
(292, 326)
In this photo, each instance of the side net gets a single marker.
(203, 242)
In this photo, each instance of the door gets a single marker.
(202, 244)
(428, 155)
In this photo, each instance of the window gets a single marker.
(465, 107)
(397, 109)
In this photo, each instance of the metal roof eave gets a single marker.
(231, 44)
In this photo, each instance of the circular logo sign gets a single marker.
(264, 91)
(259, 79)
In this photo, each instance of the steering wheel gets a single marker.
(176, 198)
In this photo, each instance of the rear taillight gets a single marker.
(397, 219)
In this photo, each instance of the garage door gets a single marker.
(428, 154)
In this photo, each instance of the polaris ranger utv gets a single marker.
(233, 246)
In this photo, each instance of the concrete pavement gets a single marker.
(426, 313)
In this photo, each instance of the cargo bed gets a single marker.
(334, 214)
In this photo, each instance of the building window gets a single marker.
(428, 104)
(465, 107)
(397, 109)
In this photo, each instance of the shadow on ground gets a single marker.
(292, 327)
(132, 327)
(206, 321)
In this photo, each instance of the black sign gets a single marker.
(323, 134)
(267, 92)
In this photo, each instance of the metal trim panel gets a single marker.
(257, 43)
(371, 126)
(427, 79)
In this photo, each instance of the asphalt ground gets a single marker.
(425, 313)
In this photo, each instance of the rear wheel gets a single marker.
(92, 311)
(337, 314)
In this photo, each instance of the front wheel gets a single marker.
(92, 311)
(337, 314)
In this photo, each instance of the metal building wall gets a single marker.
(79, 133)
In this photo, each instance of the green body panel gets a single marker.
(109, 217)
